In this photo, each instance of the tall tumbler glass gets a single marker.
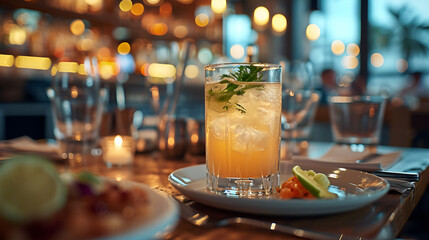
(77, 117)
(77, 103)
(243, 114)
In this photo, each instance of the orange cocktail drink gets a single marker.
(243, 111)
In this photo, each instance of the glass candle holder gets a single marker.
(118, 150)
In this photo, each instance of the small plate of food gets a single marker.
(304, 190)
(38, 203)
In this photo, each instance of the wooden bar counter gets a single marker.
(382, 219)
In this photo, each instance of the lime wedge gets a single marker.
(30, 188)
(307, 179)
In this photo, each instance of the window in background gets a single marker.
(334, 33)
(237, 36)
(399, 43)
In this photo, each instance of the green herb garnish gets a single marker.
(244, 74)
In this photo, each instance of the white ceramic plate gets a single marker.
(161, 218)
(355, 189)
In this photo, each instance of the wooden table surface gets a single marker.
(383, 219)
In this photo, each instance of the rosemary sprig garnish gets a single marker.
(244, 74)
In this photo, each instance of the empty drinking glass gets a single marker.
(356, 119)
(299, 125)
(77, 103)
(298, 102)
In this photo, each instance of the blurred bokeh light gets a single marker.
(312, 32)
(202, 20)
(279, 23)
(337, 47)
(261, 16)
(377, 60)
(126, 5)
(77, 27)
(137, 9)
(124, 48)
(218, 6)
(353, 49)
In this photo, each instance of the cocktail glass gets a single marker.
(243, 115)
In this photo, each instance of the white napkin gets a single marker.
(27, 145)
(342, 156)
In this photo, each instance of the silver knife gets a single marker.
(411, 177)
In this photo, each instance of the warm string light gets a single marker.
(124, 48)
(218, 6)
(125, 5)
(17, 36)
(261, 16)
(353, 49)
(70, 67)
(279, 23)
(77, 27)
(81, 69)
(202, 20)
(38, 63)
(377, 60)
(337, 47)
(94, 3)
(237, 51)
(152, 2)
(137, 9)
(6, 60)
(108, 69)
(312, 32)
(158, 29)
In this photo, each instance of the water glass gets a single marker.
(243, 111)
(298, 104)
(298, 119)
(77, 115)
(356, 119)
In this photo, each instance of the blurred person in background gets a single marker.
(415, 87)
(358, 86)
(329, 84)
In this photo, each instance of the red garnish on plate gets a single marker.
(292, 188)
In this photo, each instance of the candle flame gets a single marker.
(118, 141)
(194, 138)
(170, 142)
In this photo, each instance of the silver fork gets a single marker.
(369, 157)
(203, 220)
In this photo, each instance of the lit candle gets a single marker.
(117, 153)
